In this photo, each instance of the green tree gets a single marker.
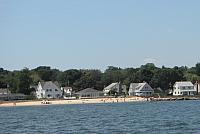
(46, 73)
(113, 74)
(197, 68)
(89, 78)
(68, 77)
(24, 82)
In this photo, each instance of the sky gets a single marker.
(94, 34)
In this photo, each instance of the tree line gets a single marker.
(22, 81)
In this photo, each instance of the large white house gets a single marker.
(140, 89)
(49, 90)
(183, 88)
(116, 88)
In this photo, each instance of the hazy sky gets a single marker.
(67, 34)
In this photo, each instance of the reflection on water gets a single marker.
(135, 117)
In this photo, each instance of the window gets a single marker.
(48, 95)
(174, 92)
(50, 89)
(56, 89)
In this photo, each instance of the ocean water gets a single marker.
(172, 117)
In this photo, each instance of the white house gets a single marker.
(116, 87)
(67, 91)
(183, 88)
(140, 89)
(48, 90)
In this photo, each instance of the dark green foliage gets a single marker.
(46, 73)
(20, 81)
(67, 78)
(89, 78)
(24, 82)
(197, 69)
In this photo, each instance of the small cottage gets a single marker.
(140, 89)
(115, 88)
(89, 93)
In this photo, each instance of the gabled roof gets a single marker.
(184, 83)
(88, 90)
(110, 86)
(43, 83)
(139, 86)
(47, 84)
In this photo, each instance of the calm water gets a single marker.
(137, 117)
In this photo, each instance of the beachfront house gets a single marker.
(66, 91)
(4, 91)
(115, 89)
(48, 90)
(89, 93)
(140, 89)
(183, 88)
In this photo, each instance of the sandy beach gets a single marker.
(76, 101)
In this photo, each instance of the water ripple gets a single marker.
(120, 118)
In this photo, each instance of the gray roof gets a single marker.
(88, 90)
(110, 86)
(139, 87)
(49, 83)
(184, 83)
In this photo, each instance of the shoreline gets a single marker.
(90, 101)
(75, 101)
